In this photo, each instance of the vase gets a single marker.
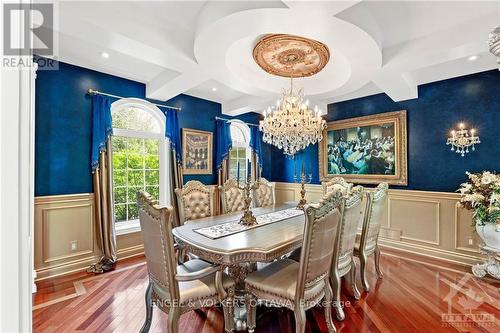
(490, 234)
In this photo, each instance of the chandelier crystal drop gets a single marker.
(291, 125)
(494, 44)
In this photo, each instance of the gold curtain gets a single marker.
(256, 169)
(105, 228)
(176, 181)
(222, 176)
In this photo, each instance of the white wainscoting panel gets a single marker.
(420, 222)
(61, 220)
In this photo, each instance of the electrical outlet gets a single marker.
(471, 241)
(73, 245)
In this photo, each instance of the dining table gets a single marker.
(239, 253)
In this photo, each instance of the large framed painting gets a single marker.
(366, 150)
(196, 152)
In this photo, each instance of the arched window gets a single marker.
(240, 153)
(139, 155)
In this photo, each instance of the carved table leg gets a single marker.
(239, 273)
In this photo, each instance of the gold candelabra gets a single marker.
(248, 219)
(303, 181)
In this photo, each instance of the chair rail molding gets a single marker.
(421, 222)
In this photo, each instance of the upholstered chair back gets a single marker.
(156, 228)
(233, 197)
(320, 230)
(377, 202)
(195, 201)
(353, 216)
(263, 193)
(337, 183)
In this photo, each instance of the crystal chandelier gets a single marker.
(494, 44)
(461, 140)
(291, 125)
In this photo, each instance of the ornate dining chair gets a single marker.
(345, 239)
(263, 193)
(343, 257)
(336, 183)
(195, 201)
(368, 244)
(174, 288)
(233, 197)
(301, 285)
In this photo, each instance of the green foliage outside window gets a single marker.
(238, 155)
(135, 167)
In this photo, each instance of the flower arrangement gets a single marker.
(482, 195)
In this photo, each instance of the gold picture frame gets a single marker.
(386, 152)
(197, 150)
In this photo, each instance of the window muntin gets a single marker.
(240, 133)
(136, 166)
(136, 119)
(240, 153)
(139, 158)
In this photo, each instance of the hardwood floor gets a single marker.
(416, 295)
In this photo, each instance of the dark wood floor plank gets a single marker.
(410, 298)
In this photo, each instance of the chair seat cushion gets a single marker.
(278, 281)
(193, 292)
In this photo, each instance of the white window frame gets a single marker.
(238, 144)
(163, 155)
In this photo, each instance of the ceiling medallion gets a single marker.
(289, 55)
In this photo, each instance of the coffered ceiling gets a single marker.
(205, 48)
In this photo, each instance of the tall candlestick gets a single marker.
(295, 166)
(238, 172)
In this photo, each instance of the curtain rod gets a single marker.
(97, 92)
(227, 119)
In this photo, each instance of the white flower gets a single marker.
(495, 197)
(474, 198)
(466, 187)
(488, 178)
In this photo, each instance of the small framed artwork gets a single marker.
(367, 150)
(196, 152)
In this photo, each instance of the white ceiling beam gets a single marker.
(258, 104)
(456, 42)
(367, 90)
(246, 104)
(163, 87)
(447, 45)
(398, 86)
(116, 41)
(330, 7)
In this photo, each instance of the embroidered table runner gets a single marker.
(233, 227)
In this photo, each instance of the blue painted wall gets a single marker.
(473, 99)
(63, 123)
(62, 140)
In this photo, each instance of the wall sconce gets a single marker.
(461, 140)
